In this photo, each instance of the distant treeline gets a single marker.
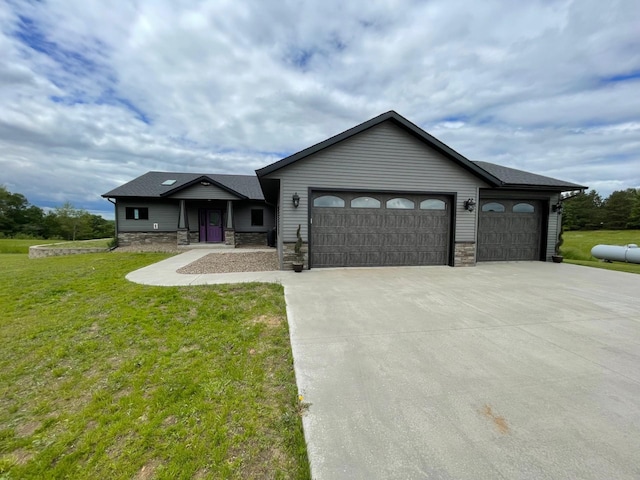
(588, 211)
(20, 219)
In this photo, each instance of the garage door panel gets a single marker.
(346, 236)
(509, 235)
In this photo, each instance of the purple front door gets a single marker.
(210, 225)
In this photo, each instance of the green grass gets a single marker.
(10, 245)
(102, 378)
(99, 243)
(578, 244)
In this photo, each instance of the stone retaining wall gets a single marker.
(42, 251)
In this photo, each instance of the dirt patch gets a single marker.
(498, 421)
(27, 429)
(170, 420)
(148, 470)
(268, 320)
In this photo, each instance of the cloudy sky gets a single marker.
(94, 93)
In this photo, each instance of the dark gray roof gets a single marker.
(150, 185)
(511, 177)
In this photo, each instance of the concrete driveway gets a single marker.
(514, 370)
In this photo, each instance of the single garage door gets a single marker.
(509, 230)
(373, 229)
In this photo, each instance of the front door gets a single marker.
(210, 225)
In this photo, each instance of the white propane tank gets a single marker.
(627, 253)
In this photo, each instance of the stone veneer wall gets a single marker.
(251, 238)
(183, 237)
(42, 251)
(465, 254)
(126, 239)
(289, 255)
(230, 237)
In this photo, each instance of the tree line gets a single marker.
(588, 211)
(20, 219)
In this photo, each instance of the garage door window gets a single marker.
(493, 207)
(523, 208)
(432, 204)
(330, 201)
(400, 203)
(365, 202)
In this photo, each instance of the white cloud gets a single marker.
(93, 94)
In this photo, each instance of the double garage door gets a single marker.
(509, 230)
(351, 229)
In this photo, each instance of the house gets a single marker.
(185, 208)
(382, 193)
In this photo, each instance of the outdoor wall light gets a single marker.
(296, 200)
(557, 208)
(469, 205)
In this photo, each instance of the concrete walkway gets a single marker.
(503, 371)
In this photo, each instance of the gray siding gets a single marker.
(164, 213)
(202, 192)
(242, 217)
(384, 158)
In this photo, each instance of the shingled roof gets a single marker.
(511, 177)
(150, 185)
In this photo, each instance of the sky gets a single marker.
(95, 93)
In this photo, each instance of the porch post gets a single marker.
(229, 232)
(183, 225)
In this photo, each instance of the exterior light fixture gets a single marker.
(557, 208)
(205, 183)
(469, 205)
(296, 200)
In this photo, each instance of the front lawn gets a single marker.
(102, 378)
(578, 244)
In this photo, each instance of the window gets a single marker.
(168, 183)
(257, 217)
(137, 213)
(523, 208)
(365, 202)
(400, 203)
(493, 207)
(329, 201)
(433, 204)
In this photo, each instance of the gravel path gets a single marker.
(229, 262)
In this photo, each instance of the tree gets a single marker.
(583, 211)
(619, 207)
(72, 223)
(17, 215)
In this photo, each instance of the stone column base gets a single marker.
(183, 237)
(465, 254)
(230, 237)
(289, 255)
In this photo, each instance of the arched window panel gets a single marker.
(365, 202)
(330, 201)
(400, 203)
(432, 204)
(523, 208)
(493, 207)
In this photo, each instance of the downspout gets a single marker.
(115, 216)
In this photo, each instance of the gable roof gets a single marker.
(511, 177)
(398, 120)
(150, 185)
(494, 175)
